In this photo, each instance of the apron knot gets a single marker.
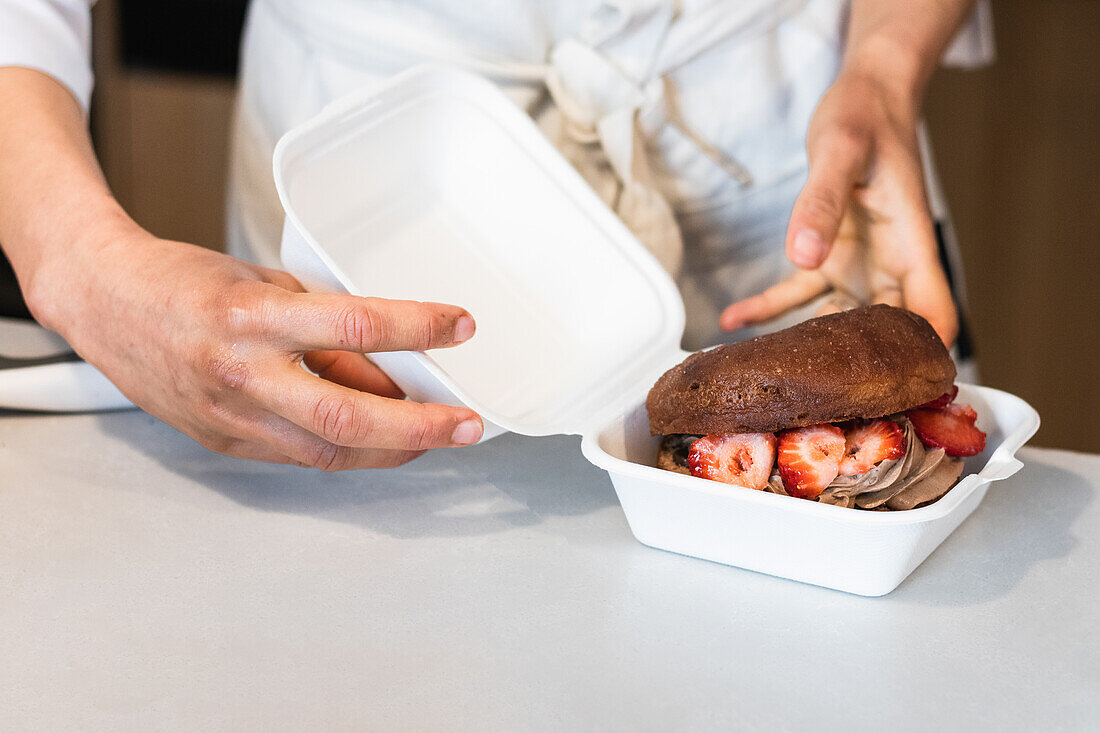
(588, 87)
(600, 79)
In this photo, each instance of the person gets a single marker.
(768, 152)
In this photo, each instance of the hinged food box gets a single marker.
(434, 186)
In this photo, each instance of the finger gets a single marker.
(840, 300)
(352, 370)
(828, 307)
(888, 294)
(924, 286)
(328, 457)
(838, 161)
(281, 278)
(275, 440)
(314, 452)
(346, 417)
(794, 290)
(927, 293)
(251, 451)
(317, 321)
(239, 447)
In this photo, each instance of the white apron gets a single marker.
(690, 123)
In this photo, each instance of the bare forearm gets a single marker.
(55, 206)
(188, 334)
(899, 42)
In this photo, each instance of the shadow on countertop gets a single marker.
(486, 488)
(515, 481)
(1017, 526)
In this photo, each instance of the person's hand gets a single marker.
(214, 346)
(861, 227)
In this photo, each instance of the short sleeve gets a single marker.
(973, 44)
(51, 36)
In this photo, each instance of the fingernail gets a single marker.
(808, 248)
(464, 329)
(466, 433)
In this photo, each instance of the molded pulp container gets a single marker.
(434, 186)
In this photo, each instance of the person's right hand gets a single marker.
(207, 343)
(214, 346)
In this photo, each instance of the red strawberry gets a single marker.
(867, 444)
(809, 459)
(951, 428)
(744, 459)
(942, 401)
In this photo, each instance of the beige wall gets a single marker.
(163, 141)
(1017, 145)
(164, 148)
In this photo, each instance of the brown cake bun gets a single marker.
(863, 363)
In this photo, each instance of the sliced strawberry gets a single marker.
(942, 401)
(744, 459)
(951, 428)
(867, 444)
(809, 459)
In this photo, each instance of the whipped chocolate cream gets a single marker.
(919, 477)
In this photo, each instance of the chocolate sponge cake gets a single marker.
(855, 409)
(863, 363)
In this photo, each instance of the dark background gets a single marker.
(199, 36)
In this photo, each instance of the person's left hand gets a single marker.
(861, 227)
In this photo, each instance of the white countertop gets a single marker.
(148, 584)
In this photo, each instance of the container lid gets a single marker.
(436, 187)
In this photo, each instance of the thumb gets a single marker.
(838, 161)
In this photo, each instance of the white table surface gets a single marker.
(148, 584)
